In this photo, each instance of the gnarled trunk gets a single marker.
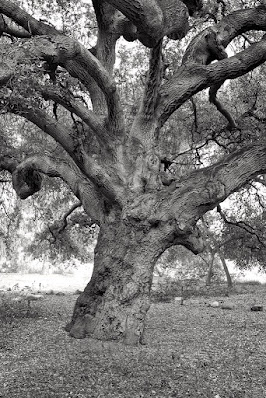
(114, 304)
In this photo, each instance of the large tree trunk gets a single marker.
(114, 304)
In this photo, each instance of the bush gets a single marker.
(249, 283)
(169, 288)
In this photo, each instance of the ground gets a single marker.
(190, 351)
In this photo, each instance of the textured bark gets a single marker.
(155, 19)
(114, 304)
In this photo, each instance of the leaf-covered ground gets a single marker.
(191, 351)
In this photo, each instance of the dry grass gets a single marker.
(191, 351)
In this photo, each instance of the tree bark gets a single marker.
(227, 274)
(210, 270)
(114, 304)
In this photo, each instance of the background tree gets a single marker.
(114, 161)
(244, 229)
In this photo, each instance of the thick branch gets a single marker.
(153, 83)
(103, 174)
(155, 19)
(192, 78)
(204, 189)
(26, 181)
(25, 20)
(186, 200)
(59, 49)
(45, 122)
(207, 46)
(64, 98)
(10, 28)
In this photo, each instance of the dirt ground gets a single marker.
(193, 350)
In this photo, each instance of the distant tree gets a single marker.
(46, 228)
(116, 161)
(244, 231)
(214, 248)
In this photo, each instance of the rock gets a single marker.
(214, 304)
(179, 300)
(49, 292)
(256, 308)
(227, 306)
(33, 297)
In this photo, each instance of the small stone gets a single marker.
(215, 304)
(227, 306)
(34, 297)
(256, 308)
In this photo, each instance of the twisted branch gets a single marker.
(27, 179)
(220, 107)
(197, 72)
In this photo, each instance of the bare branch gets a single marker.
(58, 227)
(240, 224)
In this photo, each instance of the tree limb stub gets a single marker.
(27, 180)
(8, 163)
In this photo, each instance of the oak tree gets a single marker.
(113, 163)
